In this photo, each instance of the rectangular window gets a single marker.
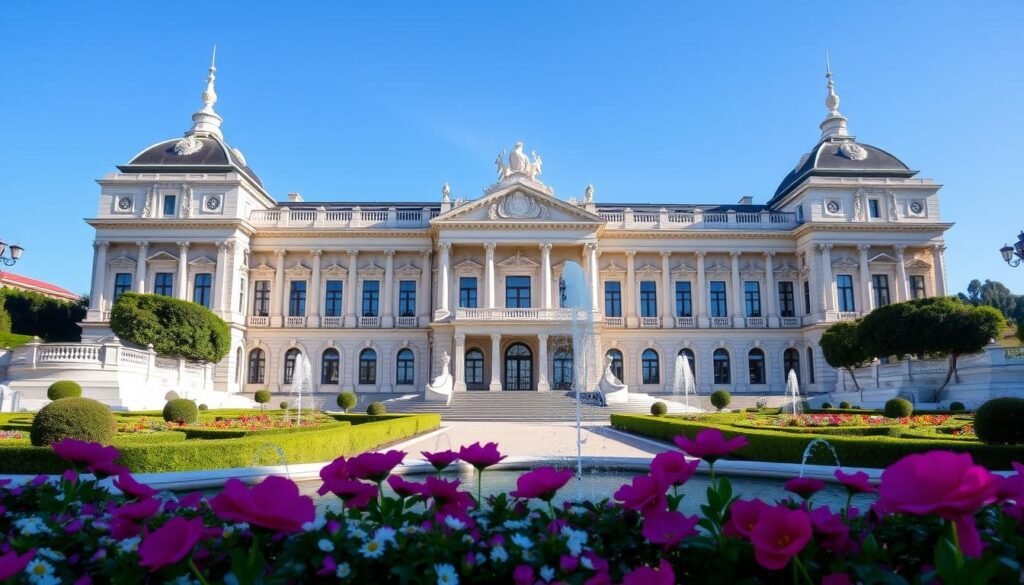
(371, 298)
(297, 299)
(333, 298)
(467, 292)
(873, 209)
(844, 288)
(517, 292)
(122, 284)
(752, 298)
(807, 297)
(648, 298)
(170, 205)
(261, 299)
(787, 301)
(880, 283)
(917, 287)
(684, 299)
(612, 298)
(164, 284)
(201, 289)
(719, 308)
(407, 298)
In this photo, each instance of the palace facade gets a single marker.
(375, 294)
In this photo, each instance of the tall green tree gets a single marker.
(994, 294)
(842, 348)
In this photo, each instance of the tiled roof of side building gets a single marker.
(24, 282)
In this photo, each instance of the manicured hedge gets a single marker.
(771, 445)
(175, 327)
(31, 313)
(238, 433)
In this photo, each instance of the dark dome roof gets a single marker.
(843, 157)
(213, 155)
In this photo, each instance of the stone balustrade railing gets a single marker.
(342, 218)
(518, 314)
(698, 220)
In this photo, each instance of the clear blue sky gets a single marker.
(385, 101)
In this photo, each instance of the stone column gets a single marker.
(495, 362)
(545, 275)
(351, 293)
(630, 290)
(902, 286)
(388, 294)
(181, 286)
(99, 281)
(217, 302)
(140, 268)
(700, 296)
(666, 291)
(594, 274)
(865, 280)
(443, 270)
(738, 312)
(277, 298)
(940, 269)
(828, 285)
(489, 273)
(423, 294)
(770, 295)
(542, 363)
(460, 363)
(314, 292)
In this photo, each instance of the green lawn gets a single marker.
(13, 340)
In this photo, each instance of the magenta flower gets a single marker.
(405, 488)
(354, 493)
(523, 575)
(12, 563)
(446, 496)
(86, 454)
(336, 470)
(710, 445)
(541, 483)
(831, 527)
(1012, 487)
(568, 563)
(328, 568)
(171, 543)
(781, 533)
(374, 466)
(274, 503)
(127, 484)
(836, 579)
(673, 468)
(663, 575)
(856, 483)
(481, 457)
(743, 517)
(127, 519)
(440, 459)
(645, 493)
(669, 528)
(804, 487)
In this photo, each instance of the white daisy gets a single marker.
(325, 545)
(31, 525)
(385, 534)
(38, 570)
(129, 544)
(515, 524)
(51, 554)
(317, 524)
(522, 541)
(547, 573)
(587, 564)
(343, 571)
(499, 554)
(373, 549)
(454, 523)
(446, 575)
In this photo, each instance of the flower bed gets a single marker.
(847, 420)
(937, 517)
(7, 435)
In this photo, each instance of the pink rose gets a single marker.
(541, 483)
(804, 487)
(781, 533)
(669, 528)
(710, 445)
(440, 459)
(171, 543)
(12, 563)
(743, 517)
(127, 484)
(663, 575)
(274, 503)
(673, 468)
(856, 483)
(645, 493)
(481, 457)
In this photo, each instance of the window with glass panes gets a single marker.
(405, 367)
(330, 367)
(719, 308)
(844, 289)
(720, 359)
(371, 298)
(257, 366)
(684, 299)
(880, 282)
(122, 284)
(474, 367)
(201, 289)
(289, 365)
(467, 292)
(787, 302)
(407, 298)
(169, 205)
(612, 298)
(163, 284)
(368, 366)
(649, 367)
(648, 298)
(297, 299)
(333, 295)
(807, 297)
(261, 298)
(755, 363)
(917, 286)
(752, 298)
(517, 292)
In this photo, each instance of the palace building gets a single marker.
(375, 294)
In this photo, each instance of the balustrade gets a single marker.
(789, 322)
(332, 321)
(259, 321)
(291, 321)
(650, 322)
(686, 322)
(756, 322)
(69, 353)
(407, 322)
(369, 322)
(720, 323)
(613, 321)
(849, 316)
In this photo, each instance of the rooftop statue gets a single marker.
(518, 163)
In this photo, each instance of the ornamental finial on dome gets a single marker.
(835, 123)
(207, 121)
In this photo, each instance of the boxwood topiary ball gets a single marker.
(181, 411)
(76, 418)
(347, 400)
(284, 405)
(262, 396)
(826, 406)
(376, 408)
(720, 399)
(845, 404)
(957, 406)
(1000, 421)
(64, 389)
(659, 408)
(898, 408)
(203, 407)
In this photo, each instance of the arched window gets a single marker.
(518, 367)
(791, 361)
(616, 364)
(330, 366)
(721, 363)
(257, 366)
(405, 367)
(649, 367)
(367, 366)
(810, 365)
(562, 368)
(289, 364)
(692, 359)
(474, 367)
(755, 362)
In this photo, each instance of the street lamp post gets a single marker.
(15, 255)
(1013, 255)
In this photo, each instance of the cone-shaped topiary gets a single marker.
(181, 411)
(76, 418)
(64, 389)
(659, 408)
(347, 401)
(376, 408)
(898, 408)
(1000, 421)
(720, 399)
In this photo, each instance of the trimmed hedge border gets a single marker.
(765, 445)
(157, 452)
(214, 434)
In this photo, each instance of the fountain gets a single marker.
(578, 301)
(683, 382)
(810, 449)
(793, 391)
(302, 383)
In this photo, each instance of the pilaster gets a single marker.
(542, 363)
(771, 295)
(495, 363)
(140, 268)
(700, 296)
(181, 284)
(738, 312)
(630, 290)
(278, 294)
(388, 294)
(315, 293)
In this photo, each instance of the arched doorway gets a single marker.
(518, 367)
(562, 374)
